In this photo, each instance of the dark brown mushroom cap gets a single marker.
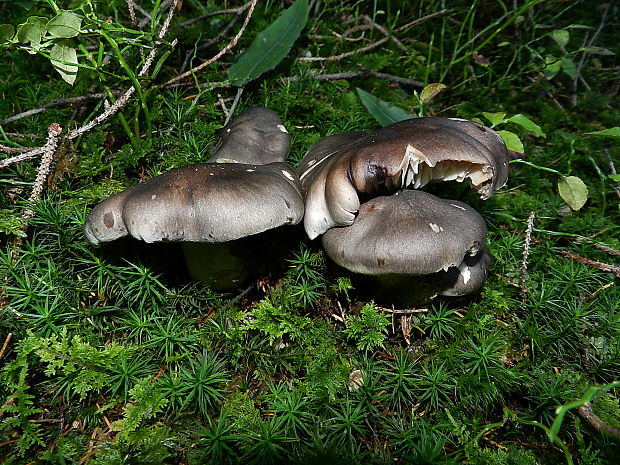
(215, 202)
(410, 233)
(256, 136)
(410, 153)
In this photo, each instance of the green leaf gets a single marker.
(569, 67)
(431, 91)
(512, 141)
(32, 30)
(494, 118)
(64, 59)
(271, 45)
(598, 51)
(574, 191)
(611, 132)
(614, 177)
(552, 67)
(385, 113)
(64, 25)
(526, 123)
(7, 31)
(560, 37)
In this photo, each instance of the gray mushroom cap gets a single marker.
(410, 153)
(466, 278)
(256, 136)
(201, 203)
(407, 233)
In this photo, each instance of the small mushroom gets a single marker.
(411, 153)
(413, 233)
(212, 202)
(256, 137)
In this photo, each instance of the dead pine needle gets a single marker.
(526, 254)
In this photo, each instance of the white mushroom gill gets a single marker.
(417, 170)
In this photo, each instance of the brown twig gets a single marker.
(526, 254)
(364, 73)
(218, 55)
(406, 311)
(61, 102)
(229, 11)
(6, 344)
(5, 149)
(342, 56)
(585, 411)
(606, 267)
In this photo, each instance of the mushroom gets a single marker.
(413, 233)
(211, 202)
(411, 153)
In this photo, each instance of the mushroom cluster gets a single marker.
(361, 194)
(245, 188)
(358, 190)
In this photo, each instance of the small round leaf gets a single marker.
(573, 191)
(64, 25)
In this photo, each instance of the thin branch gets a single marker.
(23, 157)
(342, 56)
(585, 411)
(6, 344)
(226, 49)
(229, 11)
(61, 102)
(606, 267)
(364, 73)
(5, 149)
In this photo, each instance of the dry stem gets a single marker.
(526, 254)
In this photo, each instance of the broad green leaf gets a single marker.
(526, 123)
(614, 177)
(64, 25)
(385, 113)
(64, 59)
(32, 30)
(569, 67)
(431, 91)
(573, 190)
(552, 67)
(494, 118)
(7, 31)
(560, 37)
(611, 132)
(271, 45)
(512, 141)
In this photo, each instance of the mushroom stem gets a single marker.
(215, 265)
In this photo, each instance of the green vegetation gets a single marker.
(112, 355)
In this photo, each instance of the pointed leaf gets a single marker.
(526, 123)
(573, 191)
(431, 91)
(7, 31)
(64, 59)
(494, 118)
(614, 177)
(512, 141)
(560, 37)
(64, 25)
(385, 113)
(598, 51)
(611, 132)
(271, 45)
(569, 67)
(552, 67)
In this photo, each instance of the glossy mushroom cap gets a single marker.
(201, 203)
(410, 153)
(256, 137)
(408, 233)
